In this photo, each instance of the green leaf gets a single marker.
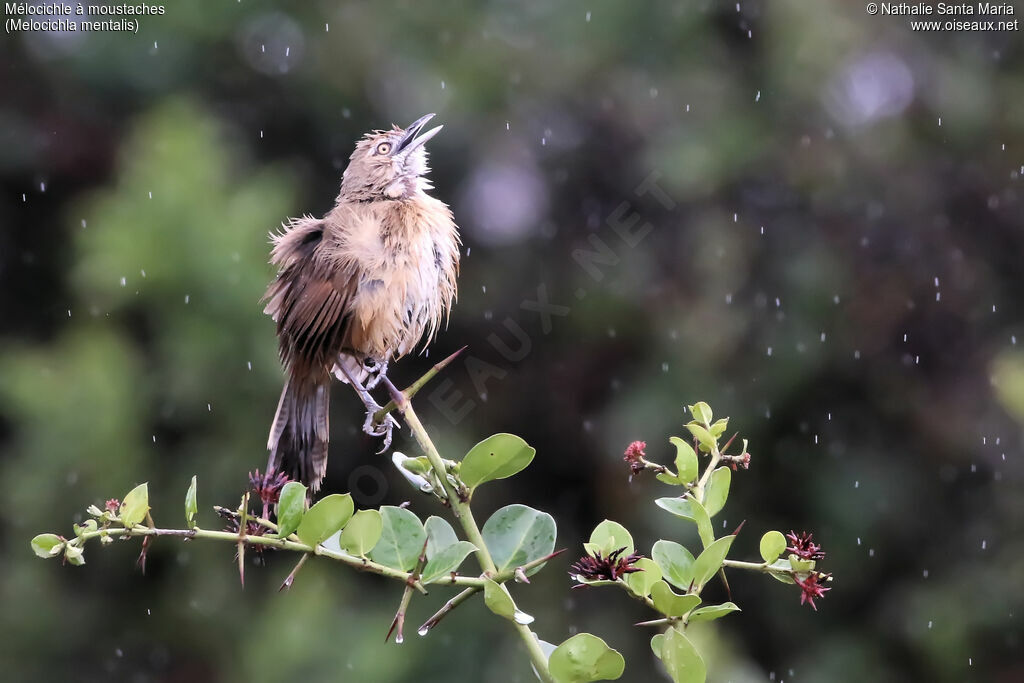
(718, 428)
(641, 582)
(585, 657)
(445, 562)
(680, 507)
(670, 603)
(327, 516)
(47, 545)
(440, 535)
(362, 532)
(712, 612)
(703, 436)
(681, 659)
(517, 534)
(609, 536)
(191, 506)
(290, 507)
(773, 544)
(135, 506)
(718, 490)
(676, 563)
(701, 412)
(498, 600)
(686, 459)
(657, 642)
(87, 525)
(709, 562)
(496, 457)
(666, 478)
(401, 541)
(700, 516)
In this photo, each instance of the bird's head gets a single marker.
(389, 164)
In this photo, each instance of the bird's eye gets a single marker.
(384, 148)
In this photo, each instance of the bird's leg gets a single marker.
(378, 372)
(370, 427)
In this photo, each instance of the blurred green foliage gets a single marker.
(839, 271)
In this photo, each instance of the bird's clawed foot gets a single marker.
(383, 428)
(371, 426)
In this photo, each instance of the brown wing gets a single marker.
(309, 299)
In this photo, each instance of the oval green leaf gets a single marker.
(609, 536)
(47, 545)
(703, 436)
(681, 659)
(680, 507)
(440, 535)
(496, 457)
(712, 612)
(362, 532)
(291, 505)
(326, 517)
(641, 582)
(443, 563)
(656, 642)
(709, 562)
(703, 521)
(517, 534)
(670, 603)
(401, 541)
(191, 506)
(701, 412)
(585, 657)
(718, 490)
(773, 544)
(686, 459)
(135, 506)
(676, 563)
(498, 600)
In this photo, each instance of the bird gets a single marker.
(356, 289)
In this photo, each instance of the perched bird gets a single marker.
(357, 288)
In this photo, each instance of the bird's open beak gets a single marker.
(413, 138)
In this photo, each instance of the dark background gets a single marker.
(839, 271)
